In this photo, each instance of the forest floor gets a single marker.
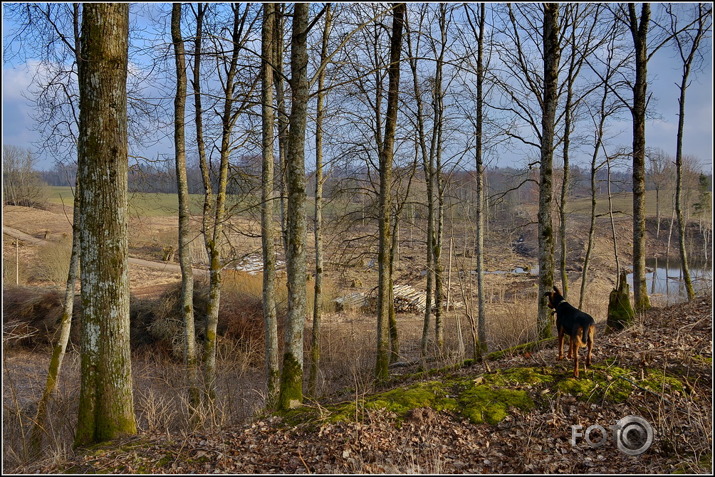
(660, 370)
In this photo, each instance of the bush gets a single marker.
(31, 316)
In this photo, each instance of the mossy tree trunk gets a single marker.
(270, 319)
(639, 31)
(620, 311)
(291, 383)
(185, 262)
(552, 55)
(106, 404)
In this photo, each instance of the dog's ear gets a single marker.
(557, 290)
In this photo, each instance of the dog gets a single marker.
(579, 326)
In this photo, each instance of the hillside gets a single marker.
(514, 417)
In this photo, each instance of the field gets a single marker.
(348, 334)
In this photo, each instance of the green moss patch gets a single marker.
(432, 394)
(616, 384)
(487, 404)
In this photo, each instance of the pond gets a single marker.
(666, 283)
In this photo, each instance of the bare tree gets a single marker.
(687, 42)
(659, 172)
(477, 23)
(21, 183)
(580, 25)
(318, 228)
(291, 383)
(600, 113)
(185, 261)
(552, 55)
(384, 267)
(106, 405)
(234, 101)
(267, 204)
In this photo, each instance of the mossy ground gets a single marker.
(488, 398)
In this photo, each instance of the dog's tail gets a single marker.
(586, 330)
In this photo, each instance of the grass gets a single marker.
(623, 204)
(140, 203)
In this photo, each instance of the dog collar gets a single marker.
(561, 303)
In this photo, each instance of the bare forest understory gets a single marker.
(511, 415)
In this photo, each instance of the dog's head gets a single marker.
(554, 297)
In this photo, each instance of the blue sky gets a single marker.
(663, 73)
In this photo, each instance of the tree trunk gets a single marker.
(438, 107)
(213, 242)
(481, 212)
(694, 42)
(58, 351)
(546, 237)
(185, 262)
(639, 33)
(291, 385)
(428, 169)
(386, 157)
(620, 312)
(270, 320)
(318, 233)
(283, 119)
(106, 404)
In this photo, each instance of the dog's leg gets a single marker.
(574, 348)
(591, 332)
(561, 343)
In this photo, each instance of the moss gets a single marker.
(487, 404)
(656, 380)
(291, 387)
(520, 376)
(703, 359)
(605, 383)
(400, 401)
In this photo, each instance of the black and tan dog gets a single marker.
(579, 326)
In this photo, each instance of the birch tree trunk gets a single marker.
(546, 239)
(185, 262)
(291, 384)
(106, 404)
(270, 320)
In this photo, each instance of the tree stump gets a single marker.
(620, 311)
(168, 255)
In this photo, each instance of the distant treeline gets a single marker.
(245, 178)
